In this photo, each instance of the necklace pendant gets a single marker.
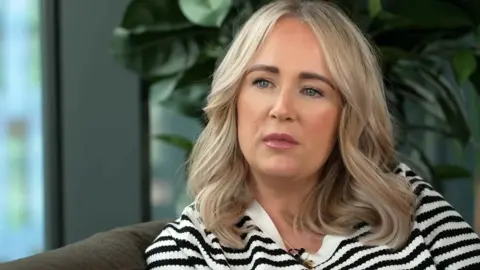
(308, 264)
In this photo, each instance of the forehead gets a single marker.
(291, 44)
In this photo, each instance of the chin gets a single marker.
(280, 167)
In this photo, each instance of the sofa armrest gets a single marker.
(121, 248)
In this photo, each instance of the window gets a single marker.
(21, 152)
(167, 162)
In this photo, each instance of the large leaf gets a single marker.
(450, 172)
(209, 13)
(159, 13)
(448, 47)
(240, 12)
(452, 106)
(393, 54)
(415, 158)
(464, 65)
(176, 140)
(411, 93)
(406, 38)
(201, 72)
(184, 92)
(409, 85)
(428, 13)
(439, 129)
(475, 77)
(256, 4)
(155, 39)
(155, 54)
(435, 94)
(472, 8)
(163, 88)
(396, 53)
(191, 91)
(374, 7)
(189, 100)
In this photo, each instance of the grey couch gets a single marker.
(121, 248)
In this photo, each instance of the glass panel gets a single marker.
(21, 153)
(168, 196)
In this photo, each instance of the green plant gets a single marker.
(429, 53)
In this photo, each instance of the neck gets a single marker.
(281, 198)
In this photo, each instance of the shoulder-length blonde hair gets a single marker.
(357, 186)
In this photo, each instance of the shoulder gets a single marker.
(427, 197)
(177, 244)
(451, 241)
(176, 235)
(431, 206)
(434, 214)
(188, 223)
(418, 186)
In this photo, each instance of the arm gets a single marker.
(451, 241)
(169, 251)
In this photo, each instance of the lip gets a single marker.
(280, 141)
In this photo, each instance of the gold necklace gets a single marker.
(305, 262)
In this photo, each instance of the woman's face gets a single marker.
(288, 110)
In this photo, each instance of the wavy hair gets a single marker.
(357, 185)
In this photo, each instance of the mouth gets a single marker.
(280, 141)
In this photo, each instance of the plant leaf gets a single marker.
(152, 54)
(450, 172)
(191, 90)
(453, 108)
(209, 13)
(146, 13)
(201, 72)
(176, 56)
(472, 8)
(156, 39)
(428, 13)
(256, 4)
(374, 7)
(163, 88)
(435, 129)
(475, 77)
(417, 159)
(189, 100)
(409, 87)
(432, 108)
(464, 64)
(176, 140)
(449, 47)
(392, 54)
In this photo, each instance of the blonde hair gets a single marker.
(357, 185)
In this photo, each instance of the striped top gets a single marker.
(440, 239)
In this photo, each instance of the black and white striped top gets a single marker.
(440, 239)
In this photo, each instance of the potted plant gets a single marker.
(429, 51)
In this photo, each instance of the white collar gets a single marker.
(262, 220)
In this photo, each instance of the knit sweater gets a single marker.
(439, 239)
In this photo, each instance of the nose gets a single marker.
(283, 108)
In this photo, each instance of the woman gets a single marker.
(296, 167)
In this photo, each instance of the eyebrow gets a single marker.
(302, 75)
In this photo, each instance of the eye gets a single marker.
(312, 92)
(262, 83)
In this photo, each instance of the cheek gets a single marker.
(323, 126)
(250, 108)
(248, 118)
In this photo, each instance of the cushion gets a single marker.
(121, 248)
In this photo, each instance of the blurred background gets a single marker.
(100, 104)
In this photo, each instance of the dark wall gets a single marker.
(95, 123)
